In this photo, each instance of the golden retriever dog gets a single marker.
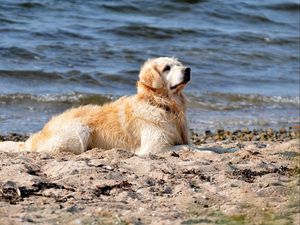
(151, 121)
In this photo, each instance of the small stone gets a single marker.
(282, 130)
(264, 136)
(247, 138)
(250, 136)
(10, 191)
(234, 185)
(216, 138)
(220, 131)
(137, 221)
(246, 131)
(208, 133)
(167, 190)
(174, 154)
(74, 172)
(150, 182)
(107, 167)
(261, 145)
(227, 133)
(73, 209)
(236, 132)
(270, 131)
(256, 138)
(28, 219)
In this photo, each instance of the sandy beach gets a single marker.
(241, 61)
(239, 182)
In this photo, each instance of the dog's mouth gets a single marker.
(182, 84)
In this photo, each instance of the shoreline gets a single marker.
(270, 134)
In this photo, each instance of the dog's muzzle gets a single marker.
(186, 78)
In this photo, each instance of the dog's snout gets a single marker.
(187, 74)
(187, 70)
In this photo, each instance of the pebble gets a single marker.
(167, 190)
(245, 134)
(10, 191)
(13, 137)
(261, 145)
(150, 182)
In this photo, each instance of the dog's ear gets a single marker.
(150, 76)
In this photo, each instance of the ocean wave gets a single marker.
(30, 74)
(60, 34)
(72, 75)
(147, 31)
(7, 21)
(94, 78)
(30, 5)
(120, 8)
(287, 6)
(148, 8)
(74, 98)
(230, 101)
(256, 99)
(21, 53)
(210, 101)
(72, 34)
(190, 1)
(246, 12)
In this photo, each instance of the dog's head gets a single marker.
(164, 75)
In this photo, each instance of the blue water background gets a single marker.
(57, 54)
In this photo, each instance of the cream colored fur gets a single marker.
(151, 121)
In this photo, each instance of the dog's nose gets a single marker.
(187, 70)
(187, 74)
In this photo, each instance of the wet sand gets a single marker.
(237, 182)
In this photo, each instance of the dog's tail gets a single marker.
(11, 146)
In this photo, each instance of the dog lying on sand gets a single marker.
(151, 121)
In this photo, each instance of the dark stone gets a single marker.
(74, 209)
(137, 221)
(167, 190)
(10, 192)
(174, 154)
(106, 189)
(208, 133)
(220, 131)
(32, 169)
(150, 182)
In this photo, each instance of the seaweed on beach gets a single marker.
(249, 175)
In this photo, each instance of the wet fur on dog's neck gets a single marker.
(175, 106)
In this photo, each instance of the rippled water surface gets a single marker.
(244, 57)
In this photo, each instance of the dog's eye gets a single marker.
(167, 68)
